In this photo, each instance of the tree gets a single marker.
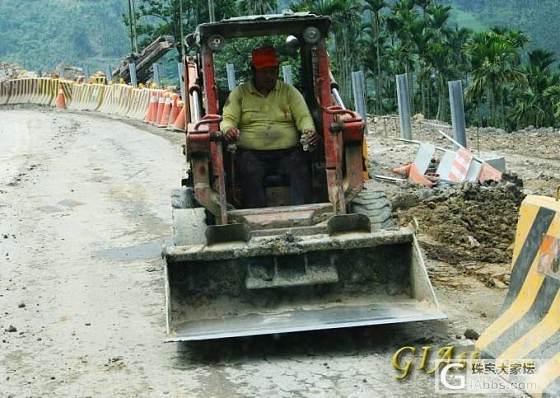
(258, 7)
(163, 17)
(534, 104)
(375, 7)
(494, 59)
(346, 17)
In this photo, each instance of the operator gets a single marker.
(265, 117)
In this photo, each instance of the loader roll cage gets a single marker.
(263, 25)
(341, 156)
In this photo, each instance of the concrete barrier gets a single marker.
(115, 99)
(139, 100)
(529, 326)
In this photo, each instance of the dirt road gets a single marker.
(84, 210)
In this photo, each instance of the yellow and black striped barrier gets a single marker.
(529, 326)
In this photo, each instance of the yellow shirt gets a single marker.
(267, 123)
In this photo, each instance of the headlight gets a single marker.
(311, 35)
(216, 42)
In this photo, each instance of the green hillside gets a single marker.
(538, 18)
(467, 20)
(40, 34)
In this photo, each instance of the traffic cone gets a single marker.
(174, 110)
(164, 120)
(418, 178)
(403, 170)
(60, 101)
(152, 107)
(180, 123)
(161, 105)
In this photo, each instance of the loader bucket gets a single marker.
(291, 283)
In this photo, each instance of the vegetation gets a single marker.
(40, 35)
(507, 84)
(509, 81)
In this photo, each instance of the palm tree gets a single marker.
(346, 17)
(534, 104)
(494, 60)
(258, 7)
(375, 7)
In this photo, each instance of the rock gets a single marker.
(11, 329)
(471, 334)
(88, 324)
(499, 284)
(5, 236)
(483, 315)
(473, 242)
(21, 305)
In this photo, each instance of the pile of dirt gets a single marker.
(467, 223)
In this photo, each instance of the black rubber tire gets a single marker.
(374, 204)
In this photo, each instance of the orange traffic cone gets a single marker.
(164, 119)
(403, 170)
(151, 107)
(418, 178)
(60, 101)
(174, 110)
(180, 122)
(161, 104)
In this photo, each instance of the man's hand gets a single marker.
(232, 134)
(311, 136)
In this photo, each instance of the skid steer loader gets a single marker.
(336, 262)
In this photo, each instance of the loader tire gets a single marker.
(189, 226)
(374, 204)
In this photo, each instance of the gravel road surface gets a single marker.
(84, 210)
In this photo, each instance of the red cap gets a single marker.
(264, 58)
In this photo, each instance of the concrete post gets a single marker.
(156, 78)
(109, 74)
(404, 106)
(458, 112)
(133, 78)
(358, 90)
(287, 74)
(231, 81)
(181, 81)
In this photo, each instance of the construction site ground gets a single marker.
(85, 208)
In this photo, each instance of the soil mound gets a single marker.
(469, 222)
